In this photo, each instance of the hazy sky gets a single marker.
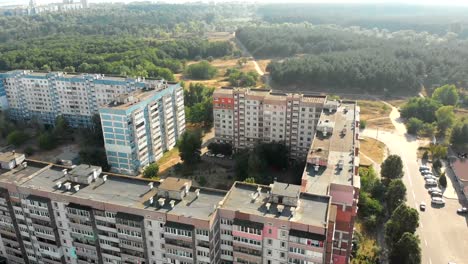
(422, 2)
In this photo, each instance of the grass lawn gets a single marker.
(374, 149)
(376, 114)
(169, 159)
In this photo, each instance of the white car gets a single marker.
(436, 194)
(430, 177)
(437, 200)
(423, 167)
(434, 189)
(220, 155)
(424, 173)
(431, 182)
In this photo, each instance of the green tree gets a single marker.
(438, 151)
(362, 124)
(443, 180)
(151, 170)
(414, 125)
(61, 127)
(392, 167)
(425, 155)
(395, 195)
(201, 71)
(459, 134)
(190, 147)
(445, 117)
(47, 141)
(403, 219)
(406, 250)
(422, 108)
(69, 69)
(17, 138)
(446, 95)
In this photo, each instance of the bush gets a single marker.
(437, 164)
(29, 151)
(202, 181)
(443, 180)
(414, 125)
(17, 138)
(201, 71)
(47, 141)
(151, 171)
(362, 124)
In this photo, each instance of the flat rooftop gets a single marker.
(313, 209)
(335, 152)
(124, 191)
(9, 156)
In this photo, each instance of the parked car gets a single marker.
(430, 177)
(219, 155)
(431, 182)
(423, 167)
(436, 194)
(422, 206)
(424, 173)
(434, 189)
(437, 200)
(463, 210)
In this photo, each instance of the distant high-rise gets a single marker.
(84, 3)
(32, 3)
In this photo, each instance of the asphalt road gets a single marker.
(443, 233)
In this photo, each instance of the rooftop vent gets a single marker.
(197, 192)
(67, 185)
(73, 166)
(151, 185)
(280, 208)
(268, 206)
(59, 184)
(24, 164)
(65, 172)
(104, 178)
(161, 201)
(293, 211)
(95, 174)
(77, 187)
(151, 200)
(187, 187)
(316, 167)
(172, 203)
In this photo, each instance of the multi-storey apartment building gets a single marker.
(43, 96)
(322, 132)
(332, 168)
(138, 127)
(246, 116)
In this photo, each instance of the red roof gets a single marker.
(460, 167)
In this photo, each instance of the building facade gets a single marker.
(244, 117)
(43, 96)
(139, 127)
(52, 214)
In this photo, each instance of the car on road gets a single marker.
(463, 210)
(436, 194)
(437, 200)
(434, 189)
(422, 206)
(431, 182)
(219, 155)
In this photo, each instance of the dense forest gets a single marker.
(392, 17)
(137, 20)
(373, 60)
(102, 54)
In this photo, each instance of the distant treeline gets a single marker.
(348, 57)
(108, 55)
(392, 17)
(137, 20)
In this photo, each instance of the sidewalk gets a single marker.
(451, 192)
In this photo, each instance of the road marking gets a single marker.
(414, 196)
(425, 242)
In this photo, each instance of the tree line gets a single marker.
(374, 60)
(108, 55)
(142, 20)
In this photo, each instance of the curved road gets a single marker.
(443, 233)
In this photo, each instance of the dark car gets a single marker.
(463, 210)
